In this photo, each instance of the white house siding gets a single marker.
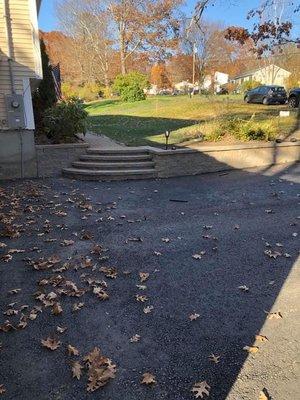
(25, 53)
(269, 75)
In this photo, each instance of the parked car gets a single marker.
(266, 94)
(294, 98)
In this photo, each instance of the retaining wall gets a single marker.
(51, 159)
(217, 158)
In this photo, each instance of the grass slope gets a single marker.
(144, 123)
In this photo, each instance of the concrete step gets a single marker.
(128, 165)
(125, 151)
(108, 175)
(116, 157)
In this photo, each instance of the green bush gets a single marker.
(131, 86)
(64, 120)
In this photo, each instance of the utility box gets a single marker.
(15, 111)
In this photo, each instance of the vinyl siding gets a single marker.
(25, 49)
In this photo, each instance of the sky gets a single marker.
(234, 14)
(226, 12)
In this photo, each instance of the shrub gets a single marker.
(131, 86)
(249, 85)
(247, 130)
(64, 120)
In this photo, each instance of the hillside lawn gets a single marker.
(145, 122)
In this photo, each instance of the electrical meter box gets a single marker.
(15, 111)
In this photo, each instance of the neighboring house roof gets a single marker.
(254, 71)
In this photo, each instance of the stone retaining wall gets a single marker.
(51, 159)
(221, 158)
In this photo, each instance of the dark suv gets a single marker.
(270, 94)
(294, 98)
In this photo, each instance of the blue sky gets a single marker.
(228, 12)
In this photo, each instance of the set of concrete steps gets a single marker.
(114, 164)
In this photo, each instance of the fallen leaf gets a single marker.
(51, 343)
(61, 329)
(135, 338)
(67, 242)
(215, 359)
(14, 291)
(261, 338)
(244, 288)
(57, 309)
(77, 306)
(148, 379)
(76, 369)
(148, 309)
(2, 389)
(165, 240)
(251, 349)
(143, 276)
(264, 395)
(141, 298)
(200, 389)
(72, 351)
(274, 315)
(193, 317)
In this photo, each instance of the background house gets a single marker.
(20, 67)
(215, 81)
(268, 75)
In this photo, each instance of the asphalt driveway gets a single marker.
(221, 252)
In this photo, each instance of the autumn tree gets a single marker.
(159, 76)
(87, 23)
(147, 25)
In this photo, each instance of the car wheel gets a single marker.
(293, 102)
(265, 101)
(247, 99)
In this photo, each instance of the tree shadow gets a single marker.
(139, 130)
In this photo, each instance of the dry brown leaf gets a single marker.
(141, 298)
(251, 349)
(76, 369)
(214, 359)
(148, 379)
(200, 389)
(14, 291)
(72, 351)
(274, 315)
(77, 306)
(264, 395)
(57, 309)
(51, 343)
(143, 276)
(148, 309)
(261, 338)
(244, 288)
(2, 389)
(100, 370)
(61, 329)
(135, 338)
(67, 242)
(193, 317)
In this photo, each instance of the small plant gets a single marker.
(246, 130)
(63, 121)
(131, 86)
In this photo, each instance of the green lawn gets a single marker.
(144, 123)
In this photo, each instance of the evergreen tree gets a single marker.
(44, 96)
